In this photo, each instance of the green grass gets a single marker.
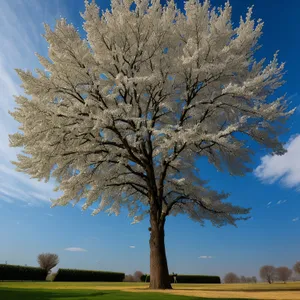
(244, 287)
(70, 285)
(290, 286)
(64, 294)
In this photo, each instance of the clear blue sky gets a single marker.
(28, 226)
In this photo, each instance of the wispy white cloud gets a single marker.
(293, 96)
(19, 187)
(75, 249)
(281, 202)
(132, 247)
(49, 215)
(284, 168)
(6, 199)
(269, 203)
(205, 257)
(20, 35)
(295, 219)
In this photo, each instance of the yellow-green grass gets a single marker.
(47, 294)
(84, 291)
(287, 291)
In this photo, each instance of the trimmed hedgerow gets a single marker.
(189, 279)
(14, 272)
(87, 275)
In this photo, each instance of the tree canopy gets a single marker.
(131, 109)
(121, 118)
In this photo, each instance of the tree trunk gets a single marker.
(159, 272)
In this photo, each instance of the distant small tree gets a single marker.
(231, 278)
(296, 267)
(293, 278)
(283, 273)
(254, 279)
(128, 278)
(48, 261)
(137, 276)
(267, 273)
(243, 279)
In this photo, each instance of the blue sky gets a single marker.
(28, 226)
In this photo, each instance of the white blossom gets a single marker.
(120, 119)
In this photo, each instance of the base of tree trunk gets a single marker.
(166, 286)
(159, 272)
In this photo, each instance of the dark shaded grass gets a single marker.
(36, 294)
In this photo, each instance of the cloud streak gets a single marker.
(284, 169)
(205, 257)
(281, 202)
(20, 37)
(75, 249)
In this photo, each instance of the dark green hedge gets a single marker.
(12, 272)
(87, 275)
(190, 279)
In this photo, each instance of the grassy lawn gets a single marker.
(76, 294)
(247, 287)
(124, 291)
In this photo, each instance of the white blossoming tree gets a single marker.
(120, 119)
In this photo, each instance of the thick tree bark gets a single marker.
(159, 272)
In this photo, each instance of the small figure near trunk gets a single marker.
(174, 277)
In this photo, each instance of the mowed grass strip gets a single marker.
(247, 287)
(122, 290)
(252, 287)
(64, 294)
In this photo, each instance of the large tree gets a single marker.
(122, 117)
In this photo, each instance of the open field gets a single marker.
(124, 291)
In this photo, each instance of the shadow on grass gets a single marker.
(37, 294)
(28, 294)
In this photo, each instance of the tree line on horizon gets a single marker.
(267, 273)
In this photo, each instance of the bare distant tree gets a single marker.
(283, 273)
(137, 276)
(297, 267)
(48, 261)
(231, 278)
(244, 279)
(254, 279)
(267, 273)
(128, 278)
